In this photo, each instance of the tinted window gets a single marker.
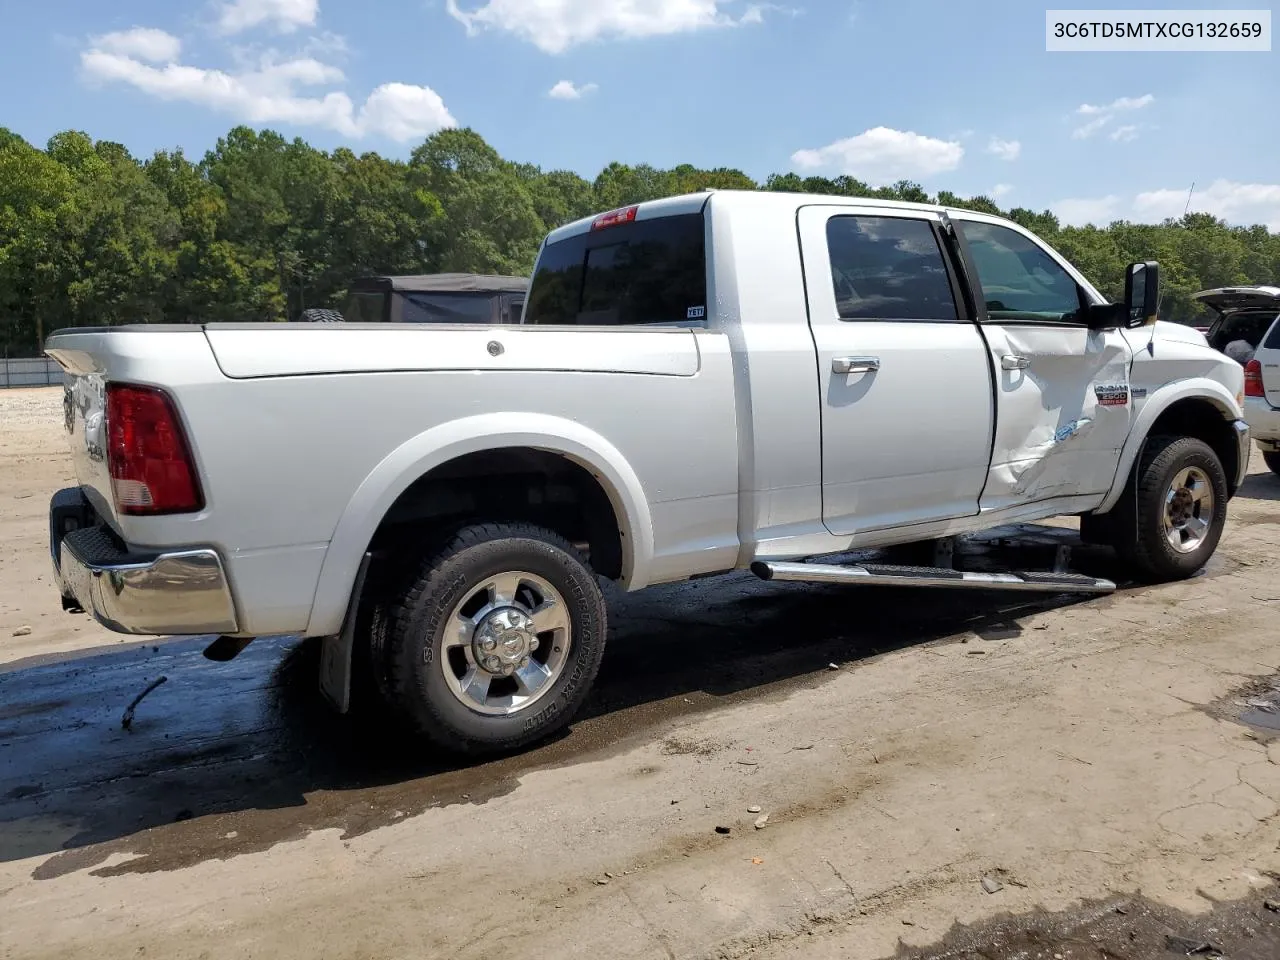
(1019, 280)
(445, 308)
(647, 271)
(365, 308)
(1273, 338)
(888, 268)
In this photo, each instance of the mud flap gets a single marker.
(335, 654)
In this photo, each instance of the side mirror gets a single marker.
(1141, 293)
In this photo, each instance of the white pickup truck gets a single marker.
(702, 384)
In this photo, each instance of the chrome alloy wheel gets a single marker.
(1188, 510)
(506, 643)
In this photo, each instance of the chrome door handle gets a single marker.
(855, 364)
(1010, 362)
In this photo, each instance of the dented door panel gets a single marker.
(1063, 418)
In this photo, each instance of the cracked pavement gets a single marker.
(1079, 751)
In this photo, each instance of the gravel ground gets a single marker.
(979, 779)
(30, 406)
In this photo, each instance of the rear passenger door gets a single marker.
(905, 379)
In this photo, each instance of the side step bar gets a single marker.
(876, 574)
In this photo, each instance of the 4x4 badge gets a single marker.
(1112, 395)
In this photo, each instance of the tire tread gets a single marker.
(415, 604)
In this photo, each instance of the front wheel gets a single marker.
(497, 642)
(1273, 462)
(1172, 518)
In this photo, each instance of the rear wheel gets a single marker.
(1171, 519)
(496, 643)
(1273, 462)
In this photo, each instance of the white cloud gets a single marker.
(554, 26)
(143, 43)
(1004, 149)
(882, 155)
(403, 111)
(1238, 203)
(568, 90)
(1079, 211)
(284, 15)
(273, 92)
(1124, 134)
(1001, 190)
(1102, 115)
(1243, 204)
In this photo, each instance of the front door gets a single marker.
(1063, 404)
(906, 396)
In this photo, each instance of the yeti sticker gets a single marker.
(1112, 395)
(696, 313)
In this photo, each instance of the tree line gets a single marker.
(263, 227)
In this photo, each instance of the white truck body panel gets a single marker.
(718, 442)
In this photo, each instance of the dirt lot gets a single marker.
(1083, 762)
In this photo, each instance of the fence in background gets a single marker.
(29, 372)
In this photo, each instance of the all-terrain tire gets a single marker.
(1140, 534)
(1273, 462)
(317, 315)
(415, 658)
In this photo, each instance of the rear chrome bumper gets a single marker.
(1245, 448)
(147, 593)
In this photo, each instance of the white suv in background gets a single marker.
(1262, 396)
(1251, 315)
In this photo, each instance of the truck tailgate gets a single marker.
(92, 357)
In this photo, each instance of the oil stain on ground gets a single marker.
(233, 758)
(1119, 929)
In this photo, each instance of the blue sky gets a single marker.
(957, 95)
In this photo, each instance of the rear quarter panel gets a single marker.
(304, 434)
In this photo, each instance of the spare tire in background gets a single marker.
(316, 315)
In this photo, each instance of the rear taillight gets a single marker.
(1253, 379)
(147, 453)
(614, 218)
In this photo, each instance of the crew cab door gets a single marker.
(1062, 391)
(905, 383)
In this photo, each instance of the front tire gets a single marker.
(497, 642)
(1273, 462)
(1173, 515)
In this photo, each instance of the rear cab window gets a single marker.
(638, 272)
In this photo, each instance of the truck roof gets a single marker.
(442, 283)
(695, 202)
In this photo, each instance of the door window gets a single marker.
(1020, 281)
(888, 268)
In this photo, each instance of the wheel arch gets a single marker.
(1200, 408)
(434, 450)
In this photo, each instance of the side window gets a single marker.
(1273, 338)
(888, 268)
(638, 272)
(1019, 280)
(446, 308)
